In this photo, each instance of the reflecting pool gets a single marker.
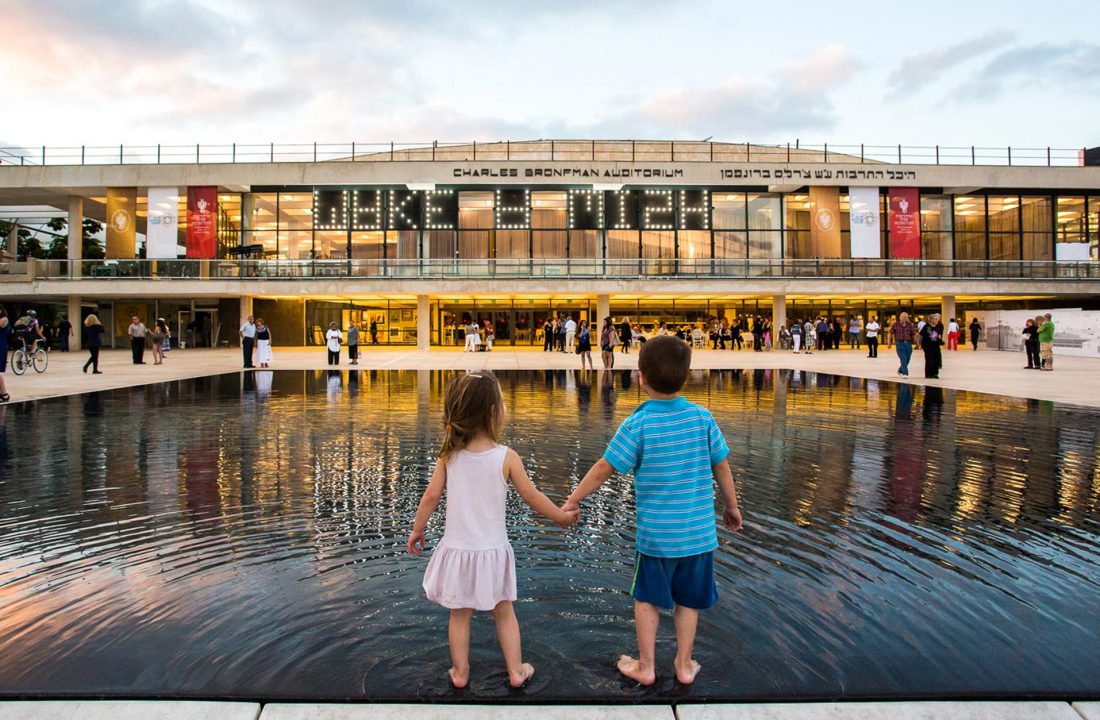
(243, 536)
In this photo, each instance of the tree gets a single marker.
(27, 245)
(91, 249)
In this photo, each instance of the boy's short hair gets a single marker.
(665, 361)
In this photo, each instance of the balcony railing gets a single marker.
(542, 269)
(538, 151)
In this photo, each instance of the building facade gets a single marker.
(420, 241)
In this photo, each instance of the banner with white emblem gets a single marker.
(863, 213)
(162, 234)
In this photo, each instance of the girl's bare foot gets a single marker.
(459, 680)
(686, 675)
(634, 670)
(519, 679)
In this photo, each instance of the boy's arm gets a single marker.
(428, 504)
(596, 476)
(535, 497)
(731, 516)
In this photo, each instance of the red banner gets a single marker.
(905, 223)
(202, 222)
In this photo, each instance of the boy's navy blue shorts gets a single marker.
(665, 582)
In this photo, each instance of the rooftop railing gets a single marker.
(541, 269)
(540, 150)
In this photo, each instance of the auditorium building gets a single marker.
(422, 239)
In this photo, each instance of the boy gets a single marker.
(676, 452)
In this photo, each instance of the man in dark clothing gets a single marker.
(836, 332)
(626, 337)
(64, 332)
(373, 332)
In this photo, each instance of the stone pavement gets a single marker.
(1075, 380)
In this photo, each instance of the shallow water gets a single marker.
(243, 536)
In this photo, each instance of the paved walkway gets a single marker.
(1076, 380)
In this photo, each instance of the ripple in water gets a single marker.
(243, 536)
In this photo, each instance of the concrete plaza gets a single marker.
(1075, 380)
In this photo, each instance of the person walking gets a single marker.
(952, 334)
(904, 332)
(626, 335)
(608, 340)
(263, 343)
(584, 345)
(490, 335)
(5, 335)
(931, 340)
(888, 332)
(64, 332)
(872, 329)
(1046, 342)
(247, 334)
(332, 343)
(353, 343)
(470, 333)
(975, 332)
(93, 340)
(1031, 345)
(373, 328)
(137, 334)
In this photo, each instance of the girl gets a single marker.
(473, 567)
(608, 340)
(584, 345)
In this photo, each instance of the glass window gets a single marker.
(1094, 226)
(1037, 216)
(1071, 220)
(404, 243)
(263, 211)
(765, 211)
(622, 243)
(1004, 213)
(441, 244)
(970, 227)
(584, 243)
(548, 210)
(797, 218)
(936, 220)
(475, 210)
(765, 244)
(731, 244)
(694, 244)
(298, 244)
(729, 210)
(473, 244)
(513, 244)
(296, 211)
(368, 245)
(328, 245)
(1004, 246)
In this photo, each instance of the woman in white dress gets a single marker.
(263, 343)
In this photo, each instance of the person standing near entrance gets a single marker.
(584, 345)
(626, 334)
(137, 333)
(931, 340)
(247, 334)
(872, 338)
(263, 343)
(332, 342)
(64, 332)
(373, 332)
(975, 332)
(1031, 345)
(855, 326)
(608, 340)
(353, 343)
(952, 334)
(796, 336)
(93, 340)
(1046, 342)
(904, 331)
(570, 332)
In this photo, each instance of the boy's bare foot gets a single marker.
(687, 675)
(633, 669)
(459, 680)
(519, 679)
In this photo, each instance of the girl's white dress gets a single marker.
(473, 565)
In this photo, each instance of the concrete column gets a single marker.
(12, 248)
(75, 319)
(76, 237)
(779, 313)
(246, 308)
(603, 309)
(947, 308)
(247, 208)
(423, 323)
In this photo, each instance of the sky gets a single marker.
(88, 72)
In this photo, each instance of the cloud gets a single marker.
(1042, 65)
(917, 72)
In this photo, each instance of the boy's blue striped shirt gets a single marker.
(671, 446)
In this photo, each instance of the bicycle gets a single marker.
(36, 357)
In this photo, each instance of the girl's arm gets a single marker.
(428, 504)
(513, 468)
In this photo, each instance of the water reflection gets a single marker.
(243, 534)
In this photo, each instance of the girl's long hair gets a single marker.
(473, 404)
